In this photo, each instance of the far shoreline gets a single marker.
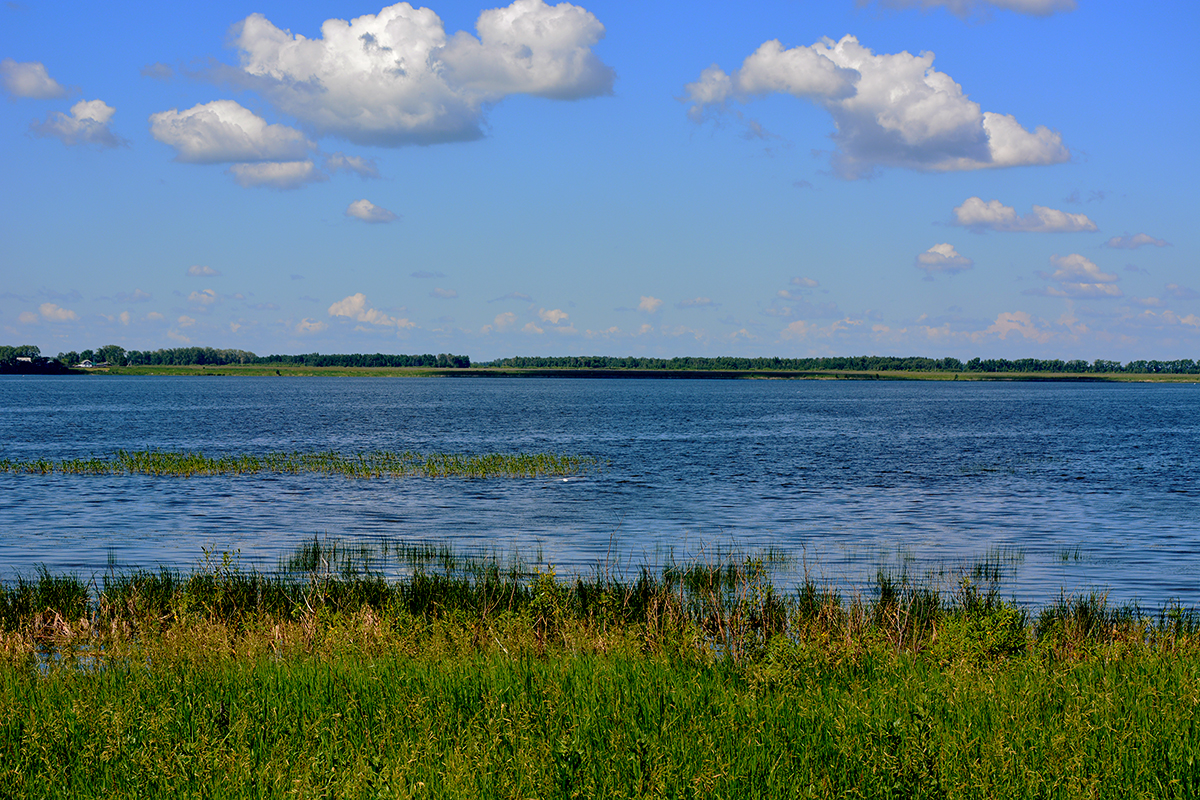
(290, 370)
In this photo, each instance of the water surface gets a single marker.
(1091, 485)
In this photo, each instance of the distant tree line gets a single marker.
(23, 357)
(208, 356)
(851, 364)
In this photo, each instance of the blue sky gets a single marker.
(946, 178)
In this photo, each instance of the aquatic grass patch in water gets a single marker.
(374, 464)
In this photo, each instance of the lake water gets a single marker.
(1083, 486)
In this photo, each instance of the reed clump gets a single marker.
(482, 676)
(374, 464)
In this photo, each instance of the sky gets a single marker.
(992, 178)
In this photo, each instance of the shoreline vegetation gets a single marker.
(478, 676)
(374, 464)
(115, 360)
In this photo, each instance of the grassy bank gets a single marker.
(481, 678)
(274, 370)
(375, 464)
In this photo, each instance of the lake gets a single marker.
(1081, 487)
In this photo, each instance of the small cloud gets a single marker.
(1079, 277)
(362, 167)
(155, 316)
(697, 302)
(505, 320)
(1076, 267)
(295, 277)
(202, 271)
(185, 321)
(29, 79)
(136, 296)
(1136, 268)
(444, 294)
(223, 132)
(307, 325)
(1182, 292)
(124, 317)
(54, 313)
(808, 283)
(27, 317)
(524, 298)
(355, 307)
(942, 258)
(158, 71)
(282, 175)
(88, 124)
(1147, 302)
(649, 304)
(532, 328)
(1135, 241)
(993, 215)
(802, 184)
(424, 273)
(553, 316)
(204, 298)
(982, 8)
(369, 212)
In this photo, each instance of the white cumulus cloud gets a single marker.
(967, 8)
(355, 307)
(649, 304)
(396, 78)
(890, 110)
(224, 131)
(993, 215)
(1135, 241)
(87, 124)
(204, 298)
(369, 212)
(1079, 277)
(53, 313)
(307, 325)
(198, 271)
(943, 258)
(281, 175)
(808, 283)
(29, 79)
(554, 316)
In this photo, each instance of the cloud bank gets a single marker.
(890, 110)
(395, 78)
(993, 215)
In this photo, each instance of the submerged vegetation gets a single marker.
(375, 464)
(486, 677)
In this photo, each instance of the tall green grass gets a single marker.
(374, 464)
(482, 676)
